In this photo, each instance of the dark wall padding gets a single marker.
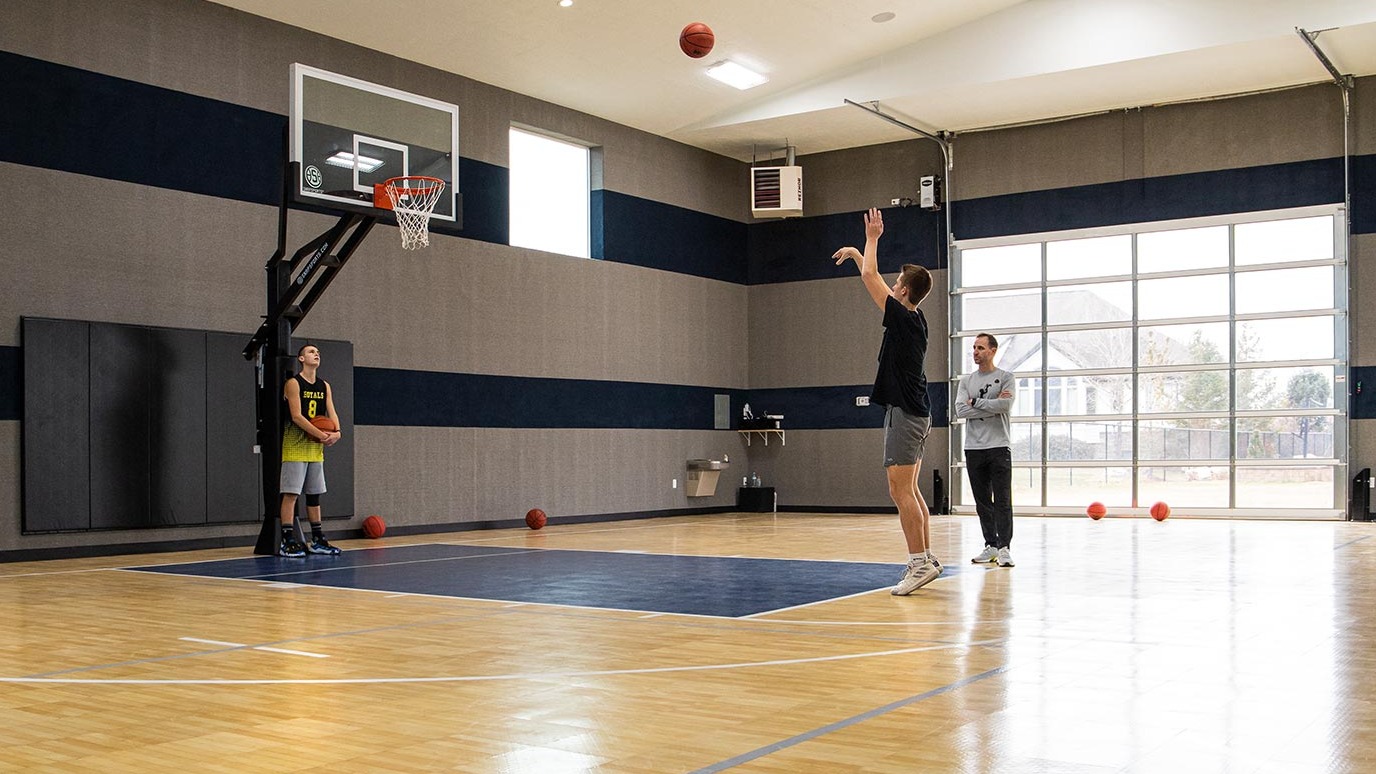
(57, 440)
(11, 383)
(130, 427)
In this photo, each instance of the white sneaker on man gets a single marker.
(988, 556)
(917, 575)
(1005, 559)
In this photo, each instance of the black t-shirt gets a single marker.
(901, 381)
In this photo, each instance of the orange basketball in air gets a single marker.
(697, 40)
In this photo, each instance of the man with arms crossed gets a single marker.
(901, 386)
(984, 400)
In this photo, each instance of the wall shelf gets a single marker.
(765, 435)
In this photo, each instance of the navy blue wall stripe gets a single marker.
(396, 397)
(833, 408)
(385, 396)
(1250, 189)
(61, 117)
(486, 204)
(799, 249)
(1362, 218)
(661, 236)
(11, 383)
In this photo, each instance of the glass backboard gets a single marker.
(349, 135)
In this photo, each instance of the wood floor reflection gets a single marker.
(1124, 645)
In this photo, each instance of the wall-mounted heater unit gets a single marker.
(776, 192)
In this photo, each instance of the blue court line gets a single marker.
(1350, 542)
(840, 724)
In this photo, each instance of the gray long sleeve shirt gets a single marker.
(986, 421)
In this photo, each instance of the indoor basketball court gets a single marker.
(469, 389)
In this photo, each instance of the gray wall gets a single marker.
(120, 252)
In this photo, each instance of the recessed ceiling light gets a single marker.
(565, 3)
(732, 74)
(880, 18)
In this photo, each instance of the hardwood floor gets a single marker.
(1123, 645)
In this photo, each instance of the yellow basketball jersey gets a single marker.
(296, 445)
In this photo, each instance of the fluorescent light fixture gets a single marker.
(346, 159)
(732, 74)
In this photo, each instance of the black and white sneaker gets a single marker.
(322, 546)
(290, 549)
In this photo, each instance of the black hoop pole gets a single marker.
(304, 276)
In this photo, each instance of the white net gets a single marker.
(413, 199)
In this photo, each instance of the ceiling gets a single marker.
(952, 65)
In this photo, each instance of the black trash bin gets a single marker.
(1359, 506)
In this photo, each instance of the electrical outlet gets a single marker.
(862, 400)
(895, 201)
(673, 484)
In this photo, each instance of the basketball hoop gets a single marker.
(412, 199)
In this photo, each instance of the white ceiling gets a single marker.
(938, 64)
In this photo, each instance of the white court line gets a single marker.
(254, 647)
(214, 642)
(515, 676)
(291, 652)
(817, 602)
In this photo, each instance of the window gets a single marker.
(1201, 363)
(550, 187)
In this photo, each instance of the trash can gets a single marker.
(1359, 506)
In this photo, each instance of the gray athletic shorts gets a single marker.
(904, 437)
(303, 477)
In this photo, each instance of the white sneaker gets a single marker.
(1005, 559)
(931, 557)
(987, 556)
(914, 578)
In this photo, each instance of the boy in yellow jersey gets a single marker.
(303, 452)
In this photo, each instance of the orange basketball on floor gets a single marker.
(697, 40)
(1096, 511)
(535, 518)
(1160, 511)
(323, 422)
(374, 527)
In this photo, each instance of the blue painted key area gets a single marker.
(659, 583)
